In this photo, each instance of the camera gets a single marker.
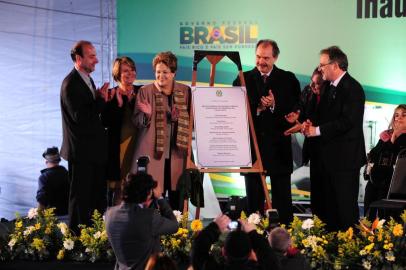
(142, 163)
(234, 225)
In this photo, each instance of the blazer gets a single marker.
(275, 147)
(340, 120)
(84, 138)
(134, 232)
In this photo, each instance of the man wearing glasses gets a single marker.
(342, 151)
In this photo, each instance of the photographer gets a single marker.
(133, 228)
(243, 248)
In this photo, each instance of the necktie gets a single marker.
(93, 87)
(333, 91)
(264, 78)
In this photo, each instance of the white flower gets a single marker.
(389, 256)
(366, 264)
(12, 242)
(178, 215)
(97, 235)
(88, 250)
(254, 218)
(380, 223)
(32, 213)
(64, 228)
(307, 224)
(68, 244)
(29, 230)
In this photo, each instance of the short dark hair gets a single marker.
(167, 58)
(269, 42)
(336, 55)
(117, 66)
(77, 49)
(136, 187)
(237, 246)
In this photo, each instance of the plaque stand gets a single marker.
(214, 57)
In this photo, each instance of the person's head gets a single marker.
(51, 156)
(160, 262)
(316, 81)
(266, 54)
(399, 118)
(138, 188)
(237, 246)
(124, 71)
(84, 56)
(279, 239)
(165, 65)
(333, 62)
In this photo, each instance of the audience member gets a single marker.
(382, 158)
(162, 118)
(53, 184)
(121, 131)
(133, 228)
(342, 148)
(160, 261)
(84, 143)
(289, 257)
(243, 248)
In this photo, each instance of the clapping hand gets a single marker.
(104, 92)
(292, 117)
(144, 107)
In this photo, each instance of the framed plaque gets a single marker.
(221, 127)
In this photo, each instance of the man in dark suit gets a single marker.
(342, 149)
(84, 143)
(133, 228)
(272, 94)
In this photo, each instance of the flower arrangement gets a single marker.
(178, 245)
(34, 237)
(40, 237)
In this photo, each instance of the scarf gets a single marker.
(182, 131)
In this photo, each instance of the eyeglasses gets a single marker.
(323, 65)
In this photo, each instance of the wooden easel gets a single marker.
(214, 57)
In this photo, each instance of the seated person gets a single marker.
(53, 184)
(382, 158)
(243, 248)
(133, 228)
(289, 258)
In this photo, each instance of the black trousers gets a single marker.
(317, 189)
(88, 192)
(281, 195)
(341, 198)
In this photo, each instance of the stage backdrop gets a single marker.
(372, 33)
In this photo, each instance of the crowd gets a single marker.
(106, 131)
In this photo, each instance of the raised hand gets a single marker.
(292, 117)
(144, 107)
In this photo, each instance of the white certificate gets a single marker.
(221, 126)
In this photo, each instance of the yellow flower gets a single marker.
(397, 230)
(61, 254)
(48, 230)
(371, 238)
(350, 233)
(38, 244)
(369, 247)
(38, 226)
(19, 224)
(196, 225)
